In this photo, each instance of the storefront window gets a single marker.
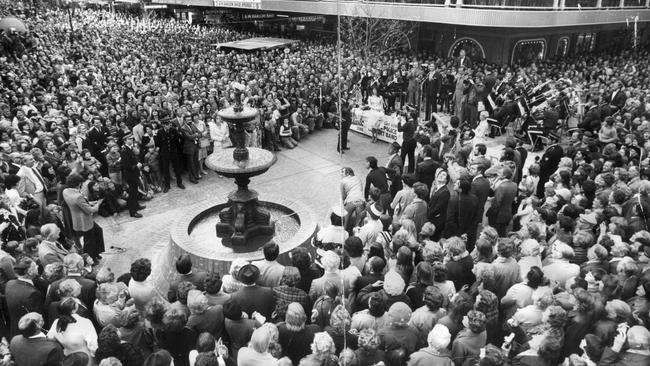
(472, 48)
(585, 43)
(528, 51)
(562, 47)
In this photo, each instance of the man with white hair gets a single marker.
(74, 264)
(638, 353)
(49, 250)
(560, 270)
(330, 262)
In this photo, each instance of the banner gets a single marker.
(387, 125)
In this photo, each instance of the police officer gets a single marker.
(168, 143)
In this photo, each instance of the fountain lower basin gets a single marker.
(194, 234)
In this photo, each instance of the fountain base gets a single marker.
(244, 221)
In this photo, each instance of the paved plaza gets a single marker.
(309, 173)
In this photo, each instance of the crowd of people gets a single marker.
(445, 255)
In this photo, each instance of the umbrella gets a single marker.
(12, 23)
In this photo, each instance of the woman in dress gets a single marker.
(219, 134)
(376, 113)
(204, 140)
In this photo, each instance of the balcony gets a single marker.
(480, 13)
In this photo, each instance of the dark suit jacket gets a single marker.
(97, 140)
(169, 142)
(462, 215)
(426, 171)
(190, 138)
(501, 210)
(88, 288)
(36, 351)
(438, 208)
(196, 277)
(617, 99)
(255, 298)
(467, 62)
(22, 298)
(129, 164)
(481, 189)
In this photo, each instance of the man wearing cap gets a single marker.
(168, 142)
(330, 262)
(31, 347)
(131, 174)
(252, 297)
(21, 295)
(500, 212)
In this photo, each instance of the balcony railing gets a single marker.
(576, 5)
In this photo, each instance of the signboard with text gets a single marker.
(387, 130)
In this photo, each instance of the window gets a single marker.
(562, 47)
(527, 51)
(473, 49)
(585, 43)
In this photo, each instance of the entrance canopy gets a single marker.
(258, 43)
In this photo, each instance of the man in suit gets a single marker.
(591, 120)
(500, 212)
(431, 90)
(426, 169)
(346, 122)
(74, 264)
(550, 118)
(191, 136)
(81, 212)
(508, 111)
(49, 250)
(186, 274)
(32, 347)
(463, 60)
(16, 162)
(168, 142)
(270, 270)
(413, 89)
(252, 297)
(438, 203)
(131, 174)
(21, 295)
(32, 182)
(548, 165)
(480, 186)
(463, 213)
(617, 98)
(377, 178)
(97, 136)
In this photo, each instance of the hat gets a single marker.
(159, 358)
(396, 145)
(248, 274)
(493, 171)
(439, 337)
(330, 261)
(399, 313)
(129, 136)
(375, 211)
(165, 120)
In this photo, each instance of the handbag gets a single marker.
(204, 142)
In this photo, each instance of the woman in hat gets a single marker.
(436, 352)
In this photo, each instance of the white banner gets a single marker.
(361, 121)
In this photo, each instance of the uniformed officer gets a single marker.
(168, 143)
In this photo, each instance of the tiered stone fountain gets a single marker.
(218, 232)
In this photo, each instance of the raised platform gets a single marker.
(257, 43)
